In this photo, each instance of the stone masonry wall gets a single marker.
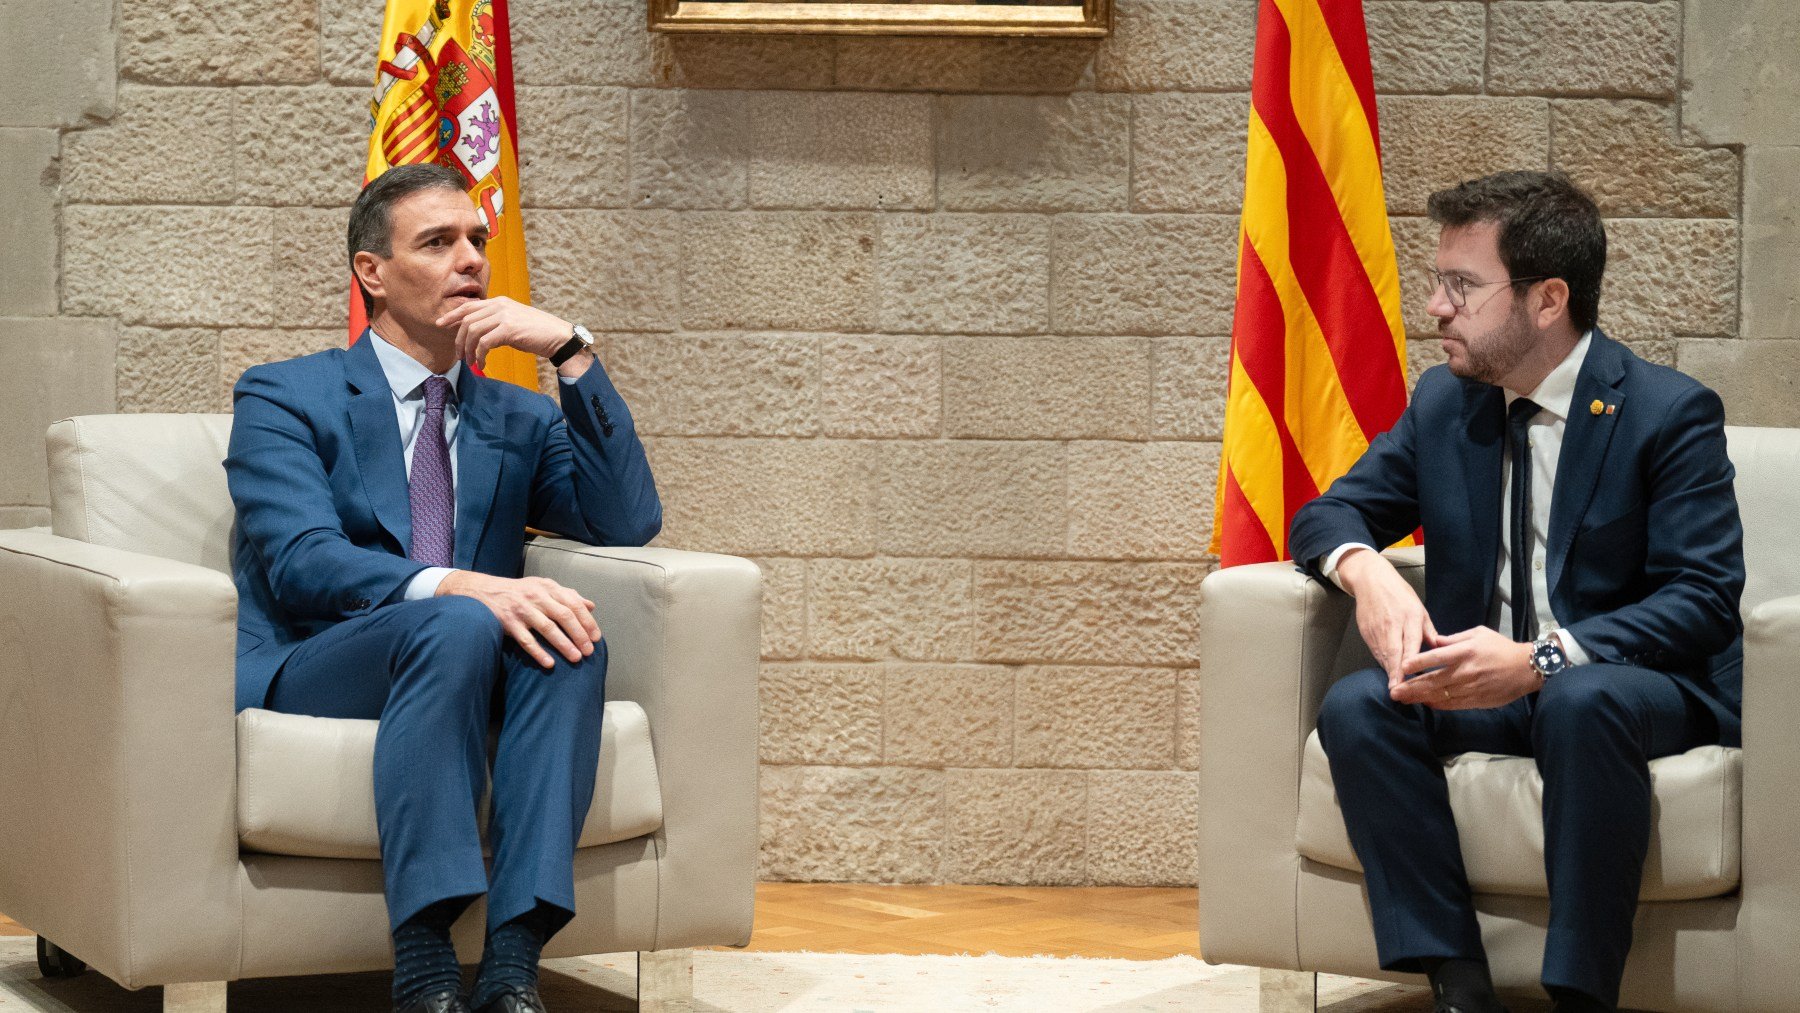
(934, 330)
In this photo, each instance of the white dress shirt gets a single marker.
(1544, 436)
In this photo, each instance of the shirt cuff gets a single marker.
(566, 381)
(1571, 648)
(425, 583)
(1329, 567)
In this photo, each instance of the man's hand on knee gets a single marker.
(532, 607)
(1389, 614)
(1478, 667)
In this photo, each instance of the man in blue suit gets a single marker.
(1581, 600)
(382, 496)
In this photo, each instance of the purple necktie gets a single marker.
(433, 497)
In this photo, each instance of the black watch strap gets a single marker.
(568, 351)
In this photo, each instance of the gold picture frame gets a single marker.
(1086, 19)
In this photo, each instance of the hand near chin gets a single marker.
(483, 325)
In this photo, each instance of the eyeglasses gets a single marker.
(1457, 287)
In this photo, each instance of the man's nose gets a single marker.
(469, 257)
(1438, 304)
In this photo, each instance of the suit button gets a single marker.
(606, 426)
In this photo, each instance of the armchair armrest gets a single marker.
(1272, 640)
(1269, 639)
(1770, 916)
(118, 742)
(683, 636)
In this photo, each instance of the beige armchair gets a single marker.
(1718, 926)
(150, 833)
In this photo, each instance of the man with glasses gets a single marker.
(1586, 561)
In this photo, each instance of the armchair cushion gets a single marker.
(144, 483)
(306, 786)
(1498, 801)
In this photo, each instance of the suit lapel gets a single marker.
(375, 432)
(480, 457)
(1484, 414)
(1585, 439)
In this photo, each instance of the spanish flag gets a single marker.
(1318, 351)
(444, 93)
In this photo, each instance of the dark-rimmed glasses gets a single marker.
(1457, 287)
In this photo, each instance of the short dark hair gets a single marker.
(372, 217)
(1549, 228)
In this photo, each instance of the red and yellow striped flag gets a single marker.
(1318, 352)
(443, 93)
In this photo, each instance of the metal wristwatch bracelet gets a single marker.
(1547, 656)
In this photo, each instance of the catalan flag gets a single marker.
(443, 93)
(1318, 351)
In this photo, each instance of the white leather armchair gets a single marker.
(149, 832)
(1718, 925)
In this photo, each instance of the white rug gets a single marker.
(732, 982)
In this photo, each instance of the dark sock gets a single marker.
(1464, 982)
(424, 957)
(1569, 1000)
(509, 963)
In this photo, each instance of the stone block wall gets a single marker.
(935, 330)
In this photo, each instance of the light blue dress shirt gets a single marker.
(406, 378)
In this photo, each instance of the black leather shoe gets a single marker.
(522, 1001)
(445, 1000)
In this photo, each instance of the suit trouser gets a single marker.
(1592, 730)
(434, 671)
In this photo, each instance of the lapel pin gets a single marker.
(1611, 408)
(1596, 408)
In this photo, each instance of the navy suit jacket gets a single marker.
(1645, 549)
(318, 475)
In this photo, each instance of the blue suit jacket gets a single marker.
(1646, 561)
(318, 475)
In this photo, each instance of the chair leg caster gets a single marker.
(194, 997)
(56, 962)
(1288, 992)
(665, 981)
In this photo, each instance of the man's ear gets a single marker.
(368, 271)
(1552, 301)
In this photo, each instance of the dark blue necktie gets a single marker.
(429, 486)
(1524, 612)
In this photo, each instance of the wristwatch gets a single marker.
(579, 339)
(1547, 656)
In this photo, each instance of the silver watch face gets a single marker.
(582, 333)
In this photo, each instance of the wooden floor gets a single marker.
(1014, 921)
